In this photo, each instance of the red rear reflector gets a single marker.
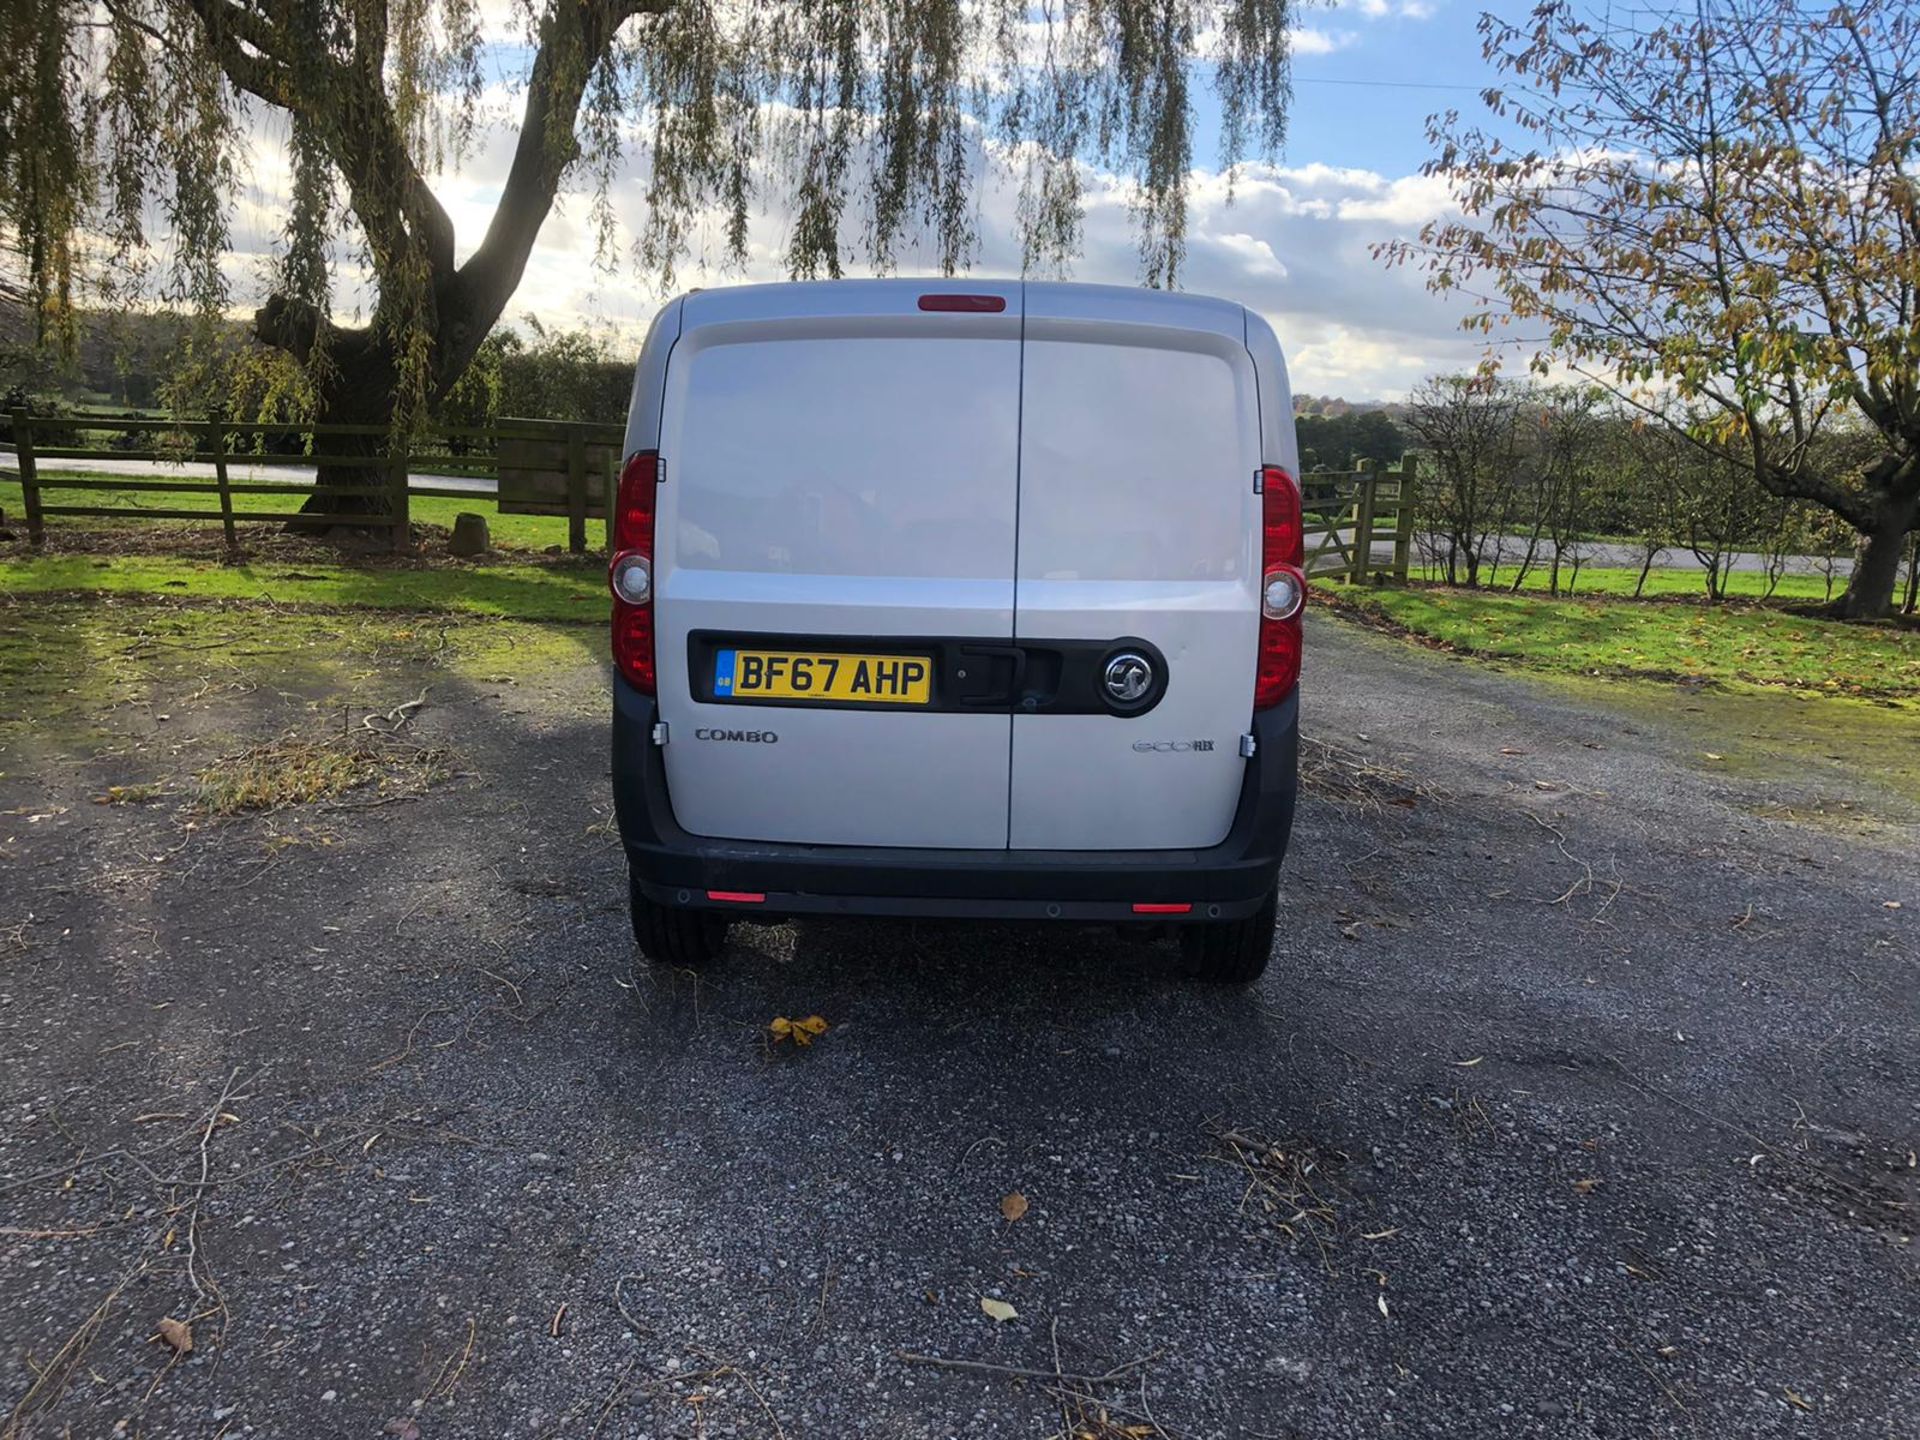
(966, 304)
(1162, 909)
(738, 897)
(633, 644)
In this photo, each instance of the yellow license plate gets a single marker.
(805, 675)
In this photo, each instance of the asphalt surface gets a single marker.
(1579, 1100)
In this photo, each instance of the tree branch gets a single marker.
(574, 40)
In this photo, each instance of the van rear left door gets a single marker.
(839, 480)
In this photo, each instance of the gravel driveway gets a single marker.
(1581, 1100)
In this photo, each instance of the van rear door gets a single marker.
(839, 490)
(1140, 428)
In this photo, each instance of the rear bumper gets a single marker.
(1224, 881)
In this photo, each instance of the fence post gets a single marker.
(217, 440)
(1363, 521)
(609, 494)
(576, 490)
(398, 501)
(1403, 521)
(29, 477)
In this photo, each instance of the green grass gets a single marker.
(1684, 584)
(508, 532)
(516, 580)
(570, 590)
(1725, 644)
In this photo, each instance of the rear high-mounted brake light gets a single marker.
(1283, 587)
(965, 304)
(630, 572)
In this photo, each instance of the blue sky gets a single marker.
(1380, 123)
(1295, 244)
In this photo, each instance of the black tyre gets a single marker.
(1231, 952)
(683, 939)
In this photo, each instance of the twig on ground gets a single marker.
(987, 1367)
(1652, 1374)
(620, 1304)
(50, 1381)
(407, 1049)
(455, 1367)
(1864, 1196)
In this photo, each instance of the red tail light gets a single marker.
(1283, 588)
(630, 571)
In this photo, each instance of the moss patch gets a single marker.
(1838, 762)
(297, 770)
(73, 667)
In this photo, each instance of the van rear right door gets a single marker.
(1140, 439)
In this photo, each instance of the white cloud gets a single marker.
(1294, 244)
(1385, 9)
(1321, 42)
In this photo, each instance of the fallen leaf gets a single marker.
(402, 1427)
(801, 1032)
(1469, 1064)
(1381, 1301)
(1512, 750)
(998, 1309)
(1386, 1234)
(1890, 904)
(1013, 1206)
(1796, 1399)
(1711, 756)
(1588, 1186)
(177, 1333)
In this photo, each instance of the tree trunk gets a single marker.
(358, 391)
(1869, 592)
(355, 385)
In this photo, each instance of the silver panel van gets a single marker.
(958, 598)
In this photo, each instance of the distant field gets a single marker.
(1604, 580)
(1598, 635)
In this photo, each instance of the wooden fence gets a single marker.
(541, 467)
(1348, 513)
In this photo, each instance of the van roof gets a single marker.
(1052, 299)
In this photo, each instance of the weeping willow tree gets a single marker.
(128, 128)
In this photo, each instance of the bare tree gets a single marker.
(1721, 205)
(1470, 428)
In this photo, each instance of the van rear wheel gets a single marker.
(1232, 952)
(683, 939)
